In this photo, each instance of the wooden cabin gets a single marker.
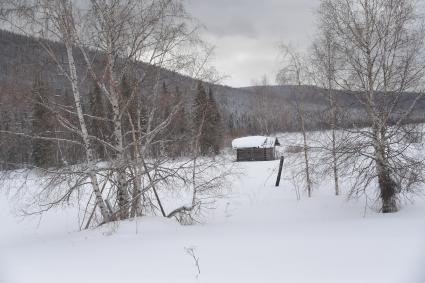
(255, 148)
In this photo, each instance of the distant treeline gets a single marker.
(29, 79)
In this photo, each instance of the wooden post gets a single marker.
(280, 171)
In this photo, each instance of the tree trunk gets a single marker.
(137, 189)
(387, 191)
(89, 152)
(307, 165)
(305, 147)
(334, 150)
(122, 184)
(387, 186)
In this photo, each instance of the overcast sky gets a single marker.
(246, 33)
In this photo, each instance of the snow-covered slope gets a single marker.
(259, 233)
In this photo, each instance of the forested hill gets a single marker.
(23, 61)
(22, 58)
(250, 110)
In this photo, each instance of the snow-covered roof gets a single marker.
(254, 141)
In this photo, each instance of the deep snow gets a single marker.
(259, 233)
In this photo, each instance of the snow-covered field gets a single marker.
(258, 233)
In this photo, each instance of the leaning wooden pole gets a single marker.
(279, 174)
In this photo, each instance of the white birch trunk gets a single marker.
(85, 135)
(305, 147)
(334, 141)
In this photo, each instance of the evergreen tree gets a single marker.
(43, 151)
(200, 106)
(180, 121)
(178, 127)
(98, 127)
(129, 101)
(214, 127)
(207, 122)
(125, 88)
(163, 103)
(129, 106)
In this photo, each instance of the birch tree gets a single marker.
(110, 38)
(325, 63)
(381, 43)
(295, 71)
(31, 17)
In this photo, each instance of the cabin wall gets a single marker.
(255, 154)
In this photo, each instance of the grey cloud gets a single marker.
(233, 27)
(246, 33)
